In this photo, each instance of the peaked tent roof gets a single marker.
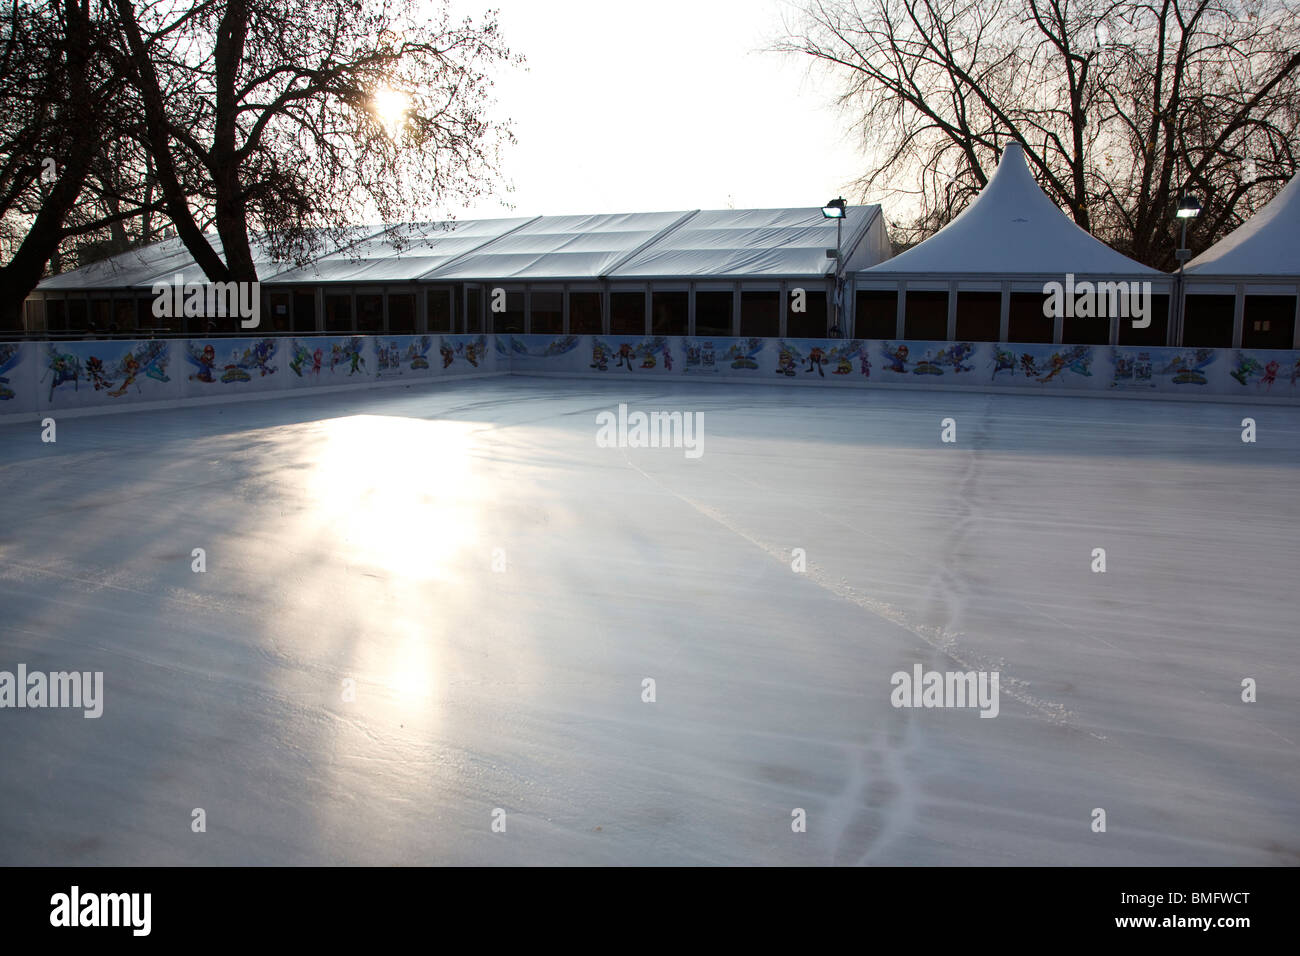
(1268, 244)
(1012, 228)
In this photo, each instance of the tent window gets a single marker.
(304, 311)
(279, 308)
(546, 312)
(979, 316)
(584, 313)
(876, 315)
(338, 313)
(440, 309)
(627, 313)
(77, 319)
(512, 319)
(760, 314)
(713, 313)
(147, 320)
(811, 323)
(370, 313)
(927, 316)
(1155, 334)
(1269, 322)
(1207, 321)
(670, 313)
(1026, 322)
(401, 313)
(56, 316)
(1094, 330)
(474, 310)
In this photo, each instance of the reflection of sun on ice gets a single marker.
(395, 493)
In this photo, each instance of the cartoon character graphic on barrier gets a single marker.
(668, 358)
(864, 361)
(448, 355)
(259, 357)
(300, 357)
(1004, 360)
(897, 357)
(1247, 368)
(96, 374)
(1133, 371)
(205, 361)
(1189, 370)
(355, 359)
(742, 354)
(61, 367)
(1270, 375)
(599, 357)
(816, 359)
(130, 368)
(625, 354)
(10, 356)
(785, 361)
(956, 355)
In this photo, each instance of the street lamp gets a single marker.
(1189, 207)
(837, 209)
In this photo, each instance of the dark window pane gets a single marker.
(338, 313)
(546, 312)
(927, 316)
(877, 314)
(979, 316)
(439, 304)
(304, 311)
(1153, 335)
(712, 313)
(670, 313)
(811, 323)
(1268, 322)
(760, 314)
(1207, 321)
(1026, 322)
(401, 313)
(474, 309)
(627, 313)
(584, 313)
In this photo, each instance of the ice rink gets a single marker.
(497, 588)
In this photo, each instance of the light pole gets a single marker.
(837, 209)
(1189, 207)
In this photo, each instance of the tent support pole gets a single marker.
(1004, 314)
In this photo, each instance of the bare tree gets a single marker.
(291, 122)
(1121, 105)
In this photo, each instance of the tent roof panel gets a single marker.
(749, 242)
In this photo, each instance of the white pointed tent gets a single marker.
(1011, 239)
(1256, 268)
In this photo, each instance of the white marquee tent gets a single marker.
(982, 276)
(712, 271)
(1245, 289)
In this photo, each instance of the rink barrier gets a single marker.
(104, 375)
(1131, 371)
(107, 374)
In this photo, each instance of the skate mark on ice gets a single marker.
(937, 638)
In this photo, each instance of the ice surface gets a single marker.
(352, 536)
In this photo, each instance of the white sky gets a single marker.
(666, 105)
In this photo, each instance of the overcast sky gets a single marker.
(630, 107)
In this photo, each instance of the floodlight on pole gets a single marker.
(837, 209)
(1189, 207)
